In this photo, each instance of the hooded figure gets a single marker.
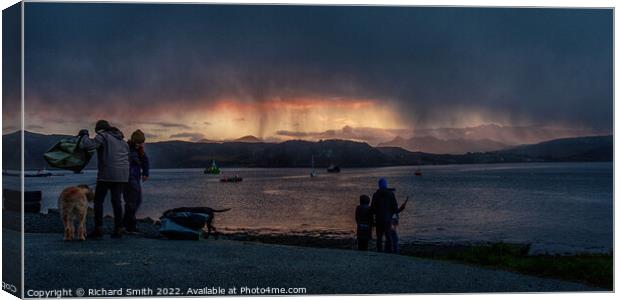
(112, 172)
(383, 207)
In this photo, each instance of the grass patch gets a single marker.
(591, 269)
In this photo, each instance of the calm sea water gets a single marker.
(561, 205)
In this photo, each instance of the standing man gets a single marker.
(384, 206)
(112, 175)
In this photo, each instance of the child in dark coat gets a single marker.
(138, 171)
(364, 220)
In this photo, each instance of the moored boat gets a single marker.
(313, 172)
(333, 169)
(213, 169)
(235, 178)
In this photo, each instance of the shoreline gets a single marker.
(64, 172)
(321, 238)
(592, 269)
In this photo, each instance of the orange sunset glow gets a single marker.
(228, 119)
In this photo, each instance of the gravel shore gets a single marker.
(146, 261)
(137, 263)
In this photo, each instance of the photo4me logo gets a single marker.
(271, 291)
(9, 287)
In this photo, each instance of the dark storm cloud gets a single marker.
(438, 65)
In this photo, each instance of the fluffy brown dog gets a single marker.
(73, 205)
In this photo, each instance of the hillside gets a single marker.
(296, 153)
(257, 154)
(430, 144)
(591, 148)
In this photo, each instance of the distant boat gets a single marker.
(47, 174)
(40, 173)
(213, 169)
(313, 172)
(418, 172)
(333, 169)
(231, 179)
(6, 173)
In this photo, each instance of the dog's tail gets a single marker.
(221, 210)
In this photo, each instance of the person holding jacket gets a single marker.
(383, 207)
(138, 171)
(112, 172)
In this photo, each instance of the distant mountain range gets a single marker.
(252, 152)
(430, 144)
(244, 139)
(483, 138)
(568, 149)
(507, 135)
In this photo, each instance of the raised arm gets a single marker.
(89, 144)
(402, 207)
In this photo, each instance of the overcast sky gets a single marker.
(224, 71)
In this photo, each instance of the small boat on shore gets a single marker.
(418, 172)
(235, 178)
